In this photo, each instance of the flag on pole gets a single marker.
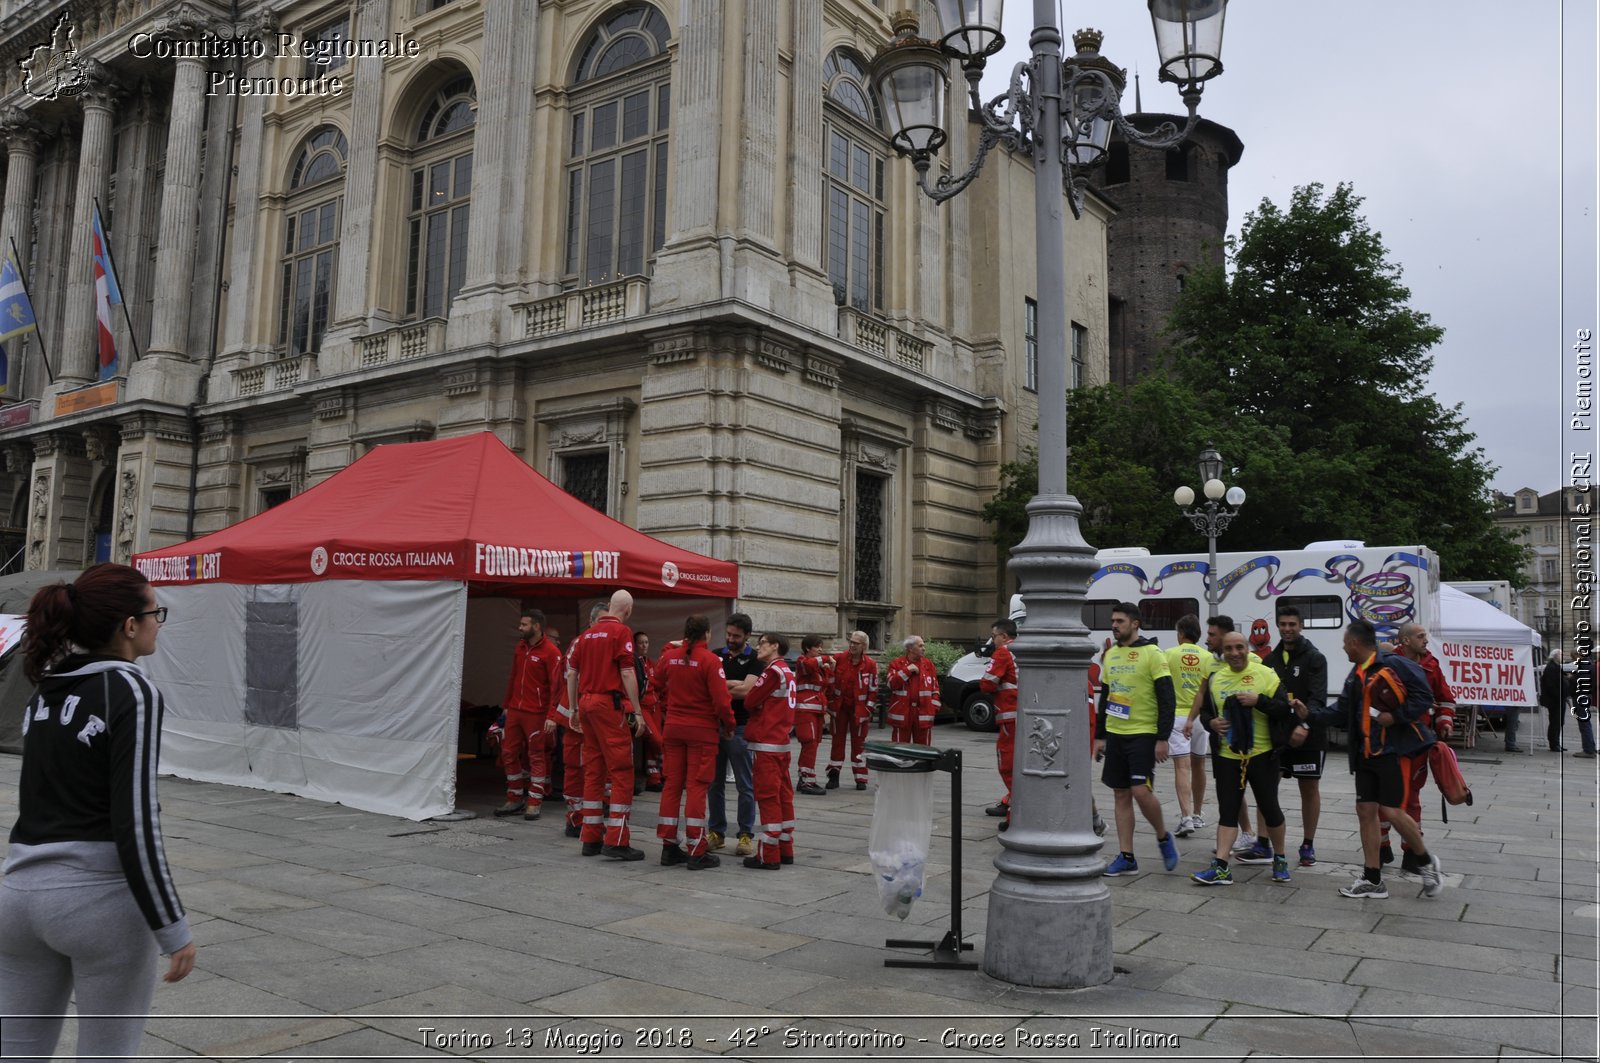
(106, 292)
(16, 314)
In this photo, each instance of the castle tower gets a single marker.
(1173, 218)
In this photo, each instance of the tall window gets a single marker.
(620, 108)
(869, 537)
(1030, 341)
(587, 477)
(1080, 343)
(326, 43)
(852, 183)
(311, 240)
(441, 194)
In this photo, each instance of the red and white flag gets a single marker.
(106, 292)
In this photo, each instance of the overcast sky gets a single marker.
(1447, 116)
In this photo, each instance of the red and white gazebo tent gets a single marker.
(323, 647)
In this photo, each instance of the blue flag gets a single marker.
(16, 313)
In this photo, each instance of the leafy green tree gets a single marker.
(1306, 368)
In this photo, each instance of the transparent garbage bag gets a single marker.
(902, 827)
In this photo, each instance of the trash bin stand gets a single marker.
(946, 953)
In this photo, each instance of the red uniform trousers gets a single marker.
(1415, 771)
(572, 774)
(808, 728)
(652, 747)
(522, 755)
(1005, 746)
(688, 769)
(775, 799)
(905, 725)
(607, 758)
(847, 722)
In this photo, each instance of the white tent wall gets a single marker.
(1487, 656)
(368, 716)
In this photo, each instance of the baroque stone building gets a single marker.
(1550, 525)
(661, 250)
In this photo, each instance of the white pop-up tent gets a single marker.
(318, 648)
(1487, 655)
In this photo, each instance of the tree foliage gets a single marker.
(1306, 368)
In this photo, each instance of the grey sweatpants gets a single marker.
(86, 941)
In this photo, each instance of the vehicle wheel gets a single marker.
(979, 713)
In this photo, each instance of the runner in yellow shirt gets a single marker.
(1189, 664)
(1131, 731)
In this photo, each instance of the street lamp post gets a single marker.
(1212, 518)
(1049, 909)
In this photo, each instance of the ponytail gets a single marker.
(84, 613)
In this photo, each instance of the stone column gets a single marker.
(58, 502)
(689, 267)
(813, 302)
(16, 220)
(758, 147)
(237, 339)
(169, 327)
(350, 303)
(500, 160)
(77, 358)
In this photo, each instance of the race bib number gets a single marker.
(1117, 705)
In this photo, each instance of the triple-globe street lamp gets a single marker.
(1211, 518)
(1049, 909)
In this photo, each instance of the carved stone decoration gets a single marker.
(18, 457)
(1046, 741)
(672, 349)
(100, 443)
(39, 521)
(821, 371)
(948, 416)
(18, 130)
(876, 455)
(982, 425)
(127, 515)
(775, 356)
(330, 407)
(187, 23)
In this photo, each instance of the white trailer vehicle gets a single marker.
(1332, 583)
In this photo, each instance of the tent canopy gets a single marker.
(1461, 616)
(466, 509)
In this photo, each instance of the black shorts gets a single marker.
(1130, 761)
(1301, 763)
(1380, 779)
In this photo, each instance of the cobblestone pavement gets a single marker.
(330, 933)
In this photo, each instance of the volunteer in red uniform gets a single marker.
(533, 690)
(852, 697)
(602, 682)
(769, 699)
(571, 740)
(652, 709)
(690, 684)
(1412, 643)
(813, 674)
(913, 695)
(1000, 683)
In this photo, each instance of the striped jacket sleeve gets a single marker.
(135, 709)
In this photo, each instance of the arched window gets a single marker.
(852, 183)
(441, 198)
(620, 108)
(311, 240)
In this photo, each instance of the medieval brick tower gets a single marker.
(1173, 218)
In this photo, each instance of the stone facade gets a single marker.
(1173, 218)
(661, 251)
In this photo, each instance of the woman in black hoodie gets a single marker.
(87, 899)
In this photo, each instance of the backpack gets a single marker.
(1447, 776)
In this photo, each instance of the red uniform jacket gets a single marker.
(855, 686)
(690, 683)
(1444, 699)
(812, 676)
(913, 697)
(1000, 681)
(600, 654)
(771, 706)
(536, 677)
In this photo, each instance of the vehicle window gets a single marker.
(1161, 614)
(1097, 613)
(1324, 611)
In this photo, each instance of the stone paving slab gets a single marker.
(331, 933)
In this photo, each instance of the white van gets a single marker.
(1331, 583)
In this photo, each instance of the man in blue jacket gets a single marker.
(1381, 708)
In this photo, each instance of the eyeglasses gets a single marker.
(160, 614)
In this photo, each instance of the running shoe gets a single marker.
(1259, 853)
(1361, 889)
(1215, 875)
(1099, 826)
(1280, 869)
(1308, 855)
(1169, 851)
(1185, 827)
(1245, 842)
(1122, 865)
(1432, 883)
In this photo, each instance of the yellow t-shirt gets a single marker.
(1189, 665)
(1130, 674)
(1257, 677)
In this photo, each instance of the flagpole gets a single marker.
(133, 337)
(44, 355)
